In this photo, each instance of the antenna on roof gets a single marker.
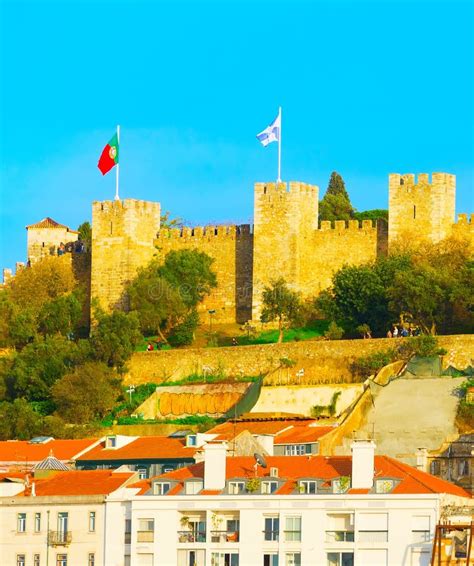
(259, 461)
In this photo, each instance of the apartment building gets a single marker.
(363, 510)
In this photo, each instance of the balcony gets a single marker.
(339, 536)
(145, 536)
(59, 538)
(224, 536)
(373, 536)
(191, 536)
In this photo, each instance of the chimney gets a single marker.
(214, 465)
(33, 489)
(362, 464)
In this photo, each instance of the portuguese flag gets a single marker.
(109, 156)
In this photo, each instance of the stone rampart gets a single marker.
(324, 361)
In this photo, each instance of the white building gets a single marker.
(304, 510)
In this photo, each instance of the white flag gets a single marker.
(271, 133)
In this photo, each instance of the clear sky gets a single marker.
(367, 88)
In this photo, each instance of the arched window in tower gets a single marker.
(414, 211)
(111, 230)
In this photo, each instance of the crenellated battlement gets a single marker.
(138, 206)
(410, 180)
(205, 232)
(350, 225)
(465, 219)
(286, 189)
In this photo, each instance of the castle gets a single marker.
(285, 241)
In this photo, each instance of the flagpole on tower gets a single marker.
(279, 148)
(117, 168)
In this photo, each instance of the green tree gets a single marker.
(158, 305)
(85, 234)
(18, 420)
(87, 393)
(336, 204)
(183, 333)
(166, 222)
(374, 214)
(189, 272)
(115, 337)
(281, 304)
(61, 315)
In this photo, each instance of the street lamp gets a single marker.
(211, 312)
(130, 390)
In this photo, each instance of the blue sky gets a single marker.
(367, 88)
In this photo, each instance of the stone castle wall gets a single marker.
(123, 233)
(42, 242)
(232, 250)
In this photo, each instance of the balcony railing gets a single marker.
(59, 538)
(224, 536)
(191, 536)
(373, 536)
(145, 536)
(271, 535)
(339, 536)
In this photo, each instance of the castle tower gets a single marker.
(45, 237)
(123, 233)
(421, 209)
(284, 223)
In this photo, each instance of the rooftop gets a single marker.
(26, 453)
(50, 223)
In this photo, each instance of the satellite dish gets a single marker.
(260, 460)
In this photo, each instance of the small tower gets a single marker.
(284, 222)
(45, 237)
(419, 209)
(123, 233)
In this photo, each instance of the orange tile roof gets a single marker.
(294, 468)
(143, 448)
(22, 451)
(50, 223)
(231, 429)
(82, 482)
(302, 434)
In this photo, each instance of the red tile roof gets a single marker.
(302, 434)
(143, 448)
(23, 452)
(82, 482)
(231, 429)
(294, 468)
(50, 223)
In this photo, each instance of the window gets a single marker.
(341, 485)
(91, 560)
(142, 473)
(269, 486)
(191, 557)
(161, 488)
(128, 531)
(293, 559)
(340, 527)
(270, 559)
(146, 530)
(435, 468)
(61, 560)
(340, 559)
(21, 523)
(463, 468)
(191, 440)
(111, 441)
(193, 487)
(414, 211)
(373, 527)
(293, 529)
(296, 449)
(384, 486)
(37, 522)
(224, 559)
(420, 528)
(236, 487)
(272, 528)
(20, 560)
(308, 486)
(36, 560)
(92, 521)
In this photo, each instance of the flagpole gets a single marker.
(279, 148)
(117, 168)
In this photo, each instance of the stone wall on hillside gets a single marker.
(324, 361)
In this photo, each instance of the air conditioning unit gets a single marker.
(273, 472)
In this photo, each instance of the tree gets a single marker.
(190, 273)
(374, 214)
(281, 304)
(183, 333)
(336, 204)
(61, 315)
(115, 337)
(85, 234)
(166, 222)
(87, 393)
(18, 420)
(47, 279)
(158, 305)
